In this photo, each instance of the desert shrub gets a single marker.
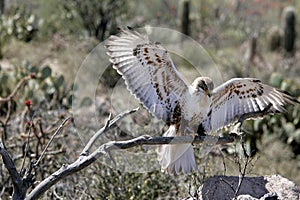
(21, 23)
(38, 100)
(18, 23)
(285, 126)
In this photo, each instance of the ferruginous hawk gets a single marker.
(150, 75)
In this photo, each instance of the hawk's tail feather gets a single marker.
(176, 158)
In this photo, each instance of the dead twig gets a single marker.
(242, 169)
(26, 148)
(85, 160)
(21, 83)
(9, 99)
(58, 130)
(242, 164)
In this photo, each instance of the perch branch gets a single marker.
(148, 140)
(85, 159)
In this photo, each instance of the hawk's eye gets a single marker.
(202, 85)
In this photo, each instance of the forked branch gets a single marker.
(86, 158)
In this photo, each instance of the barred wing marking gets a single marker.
(245, 98)
(148, 71)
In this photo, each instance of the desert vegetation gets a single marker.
(45, 127)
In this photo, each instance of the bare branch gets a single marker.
(148, 140)
(19, 189)
(108, 125)
(9, 99)
(85, 159)
(61, 126)
(7, 118)
(26, 149)
(242, 165)
(244, 170)
(21, 83)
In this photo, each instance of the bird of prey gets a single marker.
(150, 75)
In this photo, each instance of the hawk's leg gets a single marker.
(201, 130)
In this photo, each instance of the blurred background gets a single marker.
(257, 38)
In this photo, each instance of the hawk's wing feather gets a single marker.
(148, 71)
(245, 98)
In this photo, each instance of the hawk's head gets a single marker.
(203, 85)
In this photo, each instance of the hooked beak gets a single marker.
(207, 93)
(206, 90)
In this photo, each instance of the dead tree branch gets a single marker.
(108, 125)
(19, 188)
(21, 185)
(85, 159)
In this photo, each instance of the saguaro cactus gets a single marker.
(185, 20)
(289, 17)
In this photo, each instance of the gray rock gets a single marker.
(271, 187)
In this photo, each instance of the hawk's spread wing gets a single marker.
(148, 71)
(245, 98)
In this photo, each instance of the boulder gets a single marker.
(252, 188)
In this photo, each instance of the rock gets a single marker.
(284, 188)
(252, 188)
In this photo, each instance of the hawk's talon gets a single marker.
(237, 130)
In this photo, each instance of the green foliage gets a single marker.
(17, 23)
(276, 79)
(46, 89)
(39, 101)
(92, 18)
(286, 126)
(4, 34)
(21, 23)
(57, 17)
(151, 185)
(98, 17)
(46, 72)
